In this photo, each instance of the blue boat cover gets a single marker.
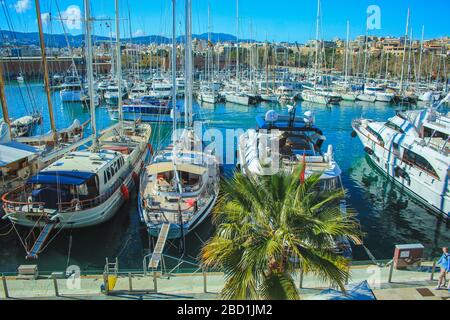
(360, 291)
(61, 177)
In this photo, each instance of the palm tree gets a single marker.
(270, 227)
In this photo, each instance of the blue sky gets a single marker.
(274, 20)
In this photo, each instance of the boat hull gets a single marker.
(419, 185)
(237, 99)
(89, 217)
(315, 98)
(176, 231)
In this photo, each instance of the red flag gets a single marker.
(302, 174)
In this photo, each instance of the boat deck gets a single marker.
(164, 208)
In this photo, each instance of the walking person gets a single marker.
(444, 263)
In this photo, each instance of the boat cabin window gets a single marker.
(431, 133)
(419, 161)
(377, 135)
(55, 194)
(113, 169)
(166, 181)
(394, 127)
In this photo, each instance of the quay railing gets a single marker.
(187, 278)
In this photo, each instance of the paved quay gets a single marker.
(412, 284)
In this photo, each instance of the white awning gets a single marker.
(14, 151)
(168, 166)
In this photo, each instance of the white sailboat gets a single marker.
(180, 186)
(236, 96)
(314, 95)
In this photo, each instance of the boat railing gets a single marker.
(18, 200)
(77, 205)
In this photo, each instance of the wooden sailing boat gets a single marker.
(23, 157)
(83, 188)
(180, 186)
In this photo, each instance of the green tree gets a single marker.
(268, 228)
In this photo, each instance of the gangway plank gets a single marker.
(40, 241)
(159, 247)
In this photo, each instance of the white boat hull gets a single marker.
(237, 99)
(315, 98)
(366, 97)
(422, 186)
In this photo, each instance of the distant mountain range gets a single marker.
(59, 40)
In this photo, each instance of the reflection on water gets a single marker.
(387, 216)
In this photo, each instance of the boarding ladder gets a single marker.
(159, 247)
(37, 246)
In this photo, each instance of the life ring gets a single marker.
(150, 148)
(125, 192)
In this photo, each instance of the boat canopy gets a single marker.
(160, 167)
(13, 151)
(61, 177)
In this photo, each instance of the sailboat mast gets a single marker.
(3, 99)
(366, 42)
(174, 67)
(119, 68)
(420, 59)
(404, 52)
(188, 66)
(317, 44)
(44, 64)
(346, 52)
(209, 45)
(90, 72)
(237, 45)
(267, 67)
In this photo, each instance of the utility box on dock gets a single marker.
(406, 255)
(28, 271)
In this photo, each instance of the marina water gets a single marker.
(387, 215)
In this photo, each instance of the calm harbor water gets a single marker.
(387, 215)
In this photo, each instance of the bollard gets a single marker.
(5, 287)
(105, 283)
(55, 285)
(391, 270)
(130, 281)
(433, 269)
(300, 285)
(205, 289)
(155, 282)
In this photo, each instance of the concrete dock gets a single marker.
(412, 284)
